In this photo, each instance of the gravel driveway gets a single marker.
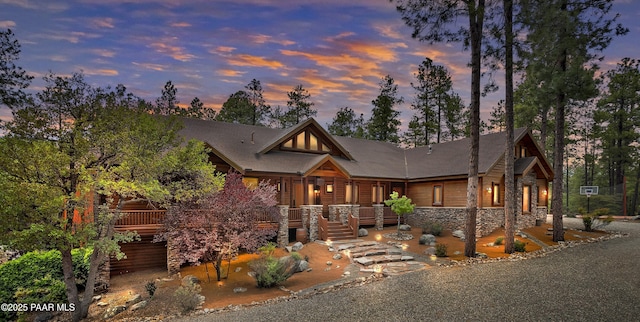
(591, 282)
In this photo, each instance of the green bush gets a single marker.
(271, 271)
(150, 287)
(441, 250)
(188, 297)
(593, 221)
(499, 241)
(36, 277)
(433, 228)
(519, 246)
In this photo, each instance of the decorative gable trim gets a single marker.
(327, 159)
(315, 128)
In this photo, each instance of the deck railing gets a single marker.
(367, 216)
(141, 217)
(323, 227)
(353, 225)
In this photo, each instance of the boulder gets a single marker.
(430, 251)
(458, 233)
(337, 256)
(405, 228)
(139, 305)
(135, 298)
(113, 311)
(303, 265)
(190, 280)
(427, 239)
(363, 232)
(297, 246)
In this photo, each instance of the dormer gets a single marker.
(307, 137)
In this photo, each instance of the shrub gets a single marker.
(593, 221)
(150, 287)
(519, 246)
(499, 241)
(188, 297)
(271, 271)
(433, 228)
(36, 277)
(441, 250)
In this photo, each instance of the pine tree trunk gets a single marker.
(476, 20)
(509, 189)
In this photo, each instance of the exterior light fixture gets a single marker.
(316, 188)
(489, 190)
(544, 192)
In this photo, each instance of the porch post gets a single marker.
(283, 226)
(173, 264)
(378, 212)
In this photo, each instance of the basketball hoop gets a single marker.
(588, 191)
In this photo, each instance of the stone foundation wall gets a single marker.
(173, 263)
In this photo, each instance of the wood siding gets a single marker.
(141, 255)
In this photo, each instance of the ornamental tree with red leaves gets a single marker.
(221, 224)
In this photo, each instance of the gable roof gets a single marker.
(250, 148)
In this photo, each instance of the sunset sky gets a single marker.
(338, 50)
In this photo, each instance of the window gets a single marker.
(250, 182)
(313, 142)
(351, 193)
(300, 141)
(437, 195)
(526, 199)
(377, 194)
(523, 151)
(495, 194)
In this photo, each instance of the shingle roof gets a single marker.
(246, 147)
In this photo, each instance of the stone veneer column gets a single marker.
(334, 210)
(173, 263)
(378, 211)
(283, 226)
(314, 211)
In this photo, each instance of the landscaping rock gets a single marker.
(458, 233)
(102, 304)
(363, 232)
(303, 266)
(190, 280)
(238, 269)
(135, 298)
(297, 246)
(430, 251)
(111, 312)
(337, 256)
(427, 239)
(329, 263)
(405, 228)
(239, 290)
(139, 305)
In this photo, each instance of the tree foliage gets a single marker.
(299, 108)
(246, 106)
(167, 103)
(384, 123)
(220, 224)
(13, 79)
(399, 205)
(75, 144)
(346, 123)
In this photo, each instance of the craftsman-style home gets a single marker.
(329, 186)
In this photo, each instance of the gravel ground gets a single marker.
(592, 282)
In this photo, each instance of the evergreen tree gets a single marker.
(345, 123)
(236, 109)
(383, 124)
(617, 120)
(197, 110)
(260, 110)
(562, 43)
(433, 89)
(167, 104)
(299, 107)
(13, 79)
